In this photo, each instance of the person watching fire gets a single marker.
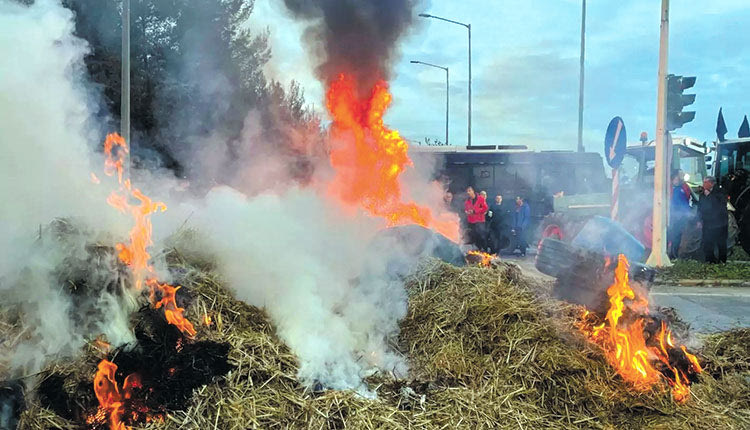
(521, 220)
(714, 221)
(475, 208)
(679, 211)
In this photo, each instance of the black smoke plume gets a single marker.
(354, 36)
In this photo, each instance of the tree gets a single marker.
(196, 71)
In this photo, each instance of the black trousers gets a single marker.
(495, 242)
(478, 235)
(675, 234)
(713, 238)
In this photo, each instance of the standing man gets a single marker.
(475, 208)
(498, 221)
(679, 211)
(521, 219)
(713, 216)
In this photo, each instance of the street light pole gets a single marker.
(468, 27)
(447, 92)
(659, 257)
(580, 88)
(125, 89)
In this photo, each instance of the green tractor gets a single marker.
(571, 212)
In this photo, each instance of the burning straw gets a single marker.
(486, 352)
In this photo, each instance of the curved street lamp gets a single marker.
(468, 27)
(447, 92)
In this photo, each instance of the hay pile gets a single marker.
(485, 352)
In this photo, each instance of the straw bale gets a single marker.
(487, 351)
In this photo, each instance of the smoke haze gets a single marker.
(292, 250)
(46, 122)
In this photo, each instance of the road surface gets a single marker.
(706, 309)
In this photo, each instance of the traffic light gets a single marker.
(676, 101)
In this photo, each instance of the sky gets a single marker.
(525, 61)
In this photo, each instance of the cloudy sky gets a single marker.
(525, 68)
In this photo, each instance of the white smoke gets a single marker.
(293, 252)
(45, 123)
(308, 266)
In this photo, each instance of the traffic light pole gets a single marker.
(659, 257)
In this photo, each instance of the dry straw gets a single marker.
(487, 351)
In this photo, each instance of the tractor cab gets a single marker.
(732, 172)
(687, 155)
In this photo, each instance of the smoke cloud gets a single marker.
(46, 122)
(354, 36)
(307, 264)
(293, 251)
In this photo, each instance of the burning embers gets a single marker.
(479, 258)
(369, 158)
(637, 345)
(136, 256)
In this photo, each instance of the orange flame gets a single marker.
(109, 396)
(625, 346)
(480, 258)
(369, 158)
(135, 253)
(171, 310)
(207, 320)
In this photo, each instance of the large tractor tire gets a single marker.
(582, 276)
(743, 230)
(733, 231)
(691, 246)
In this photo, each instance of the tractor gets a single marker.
(731, 168)
(636, 176)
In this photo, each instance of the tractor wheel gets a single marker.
(557, 225)
(732, 231)
(554, 257)
(691, 246)
(744, 230)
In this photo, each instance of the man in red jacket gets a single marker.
(475, 208)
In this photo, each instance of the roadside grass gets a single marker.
(692, 269)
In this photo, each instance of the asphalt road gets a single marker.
(706, 309)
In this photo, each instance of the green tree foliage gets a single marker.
(196, 71)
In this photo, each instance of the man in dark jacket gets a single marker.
(713, 215)
(475, 208)
(498, 224)
(521, 219)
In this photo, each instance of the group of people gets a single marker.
(713, 218)
(488, 224)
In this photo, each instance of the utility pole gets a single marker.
(580, 79)
(125, 90)
(659, 257)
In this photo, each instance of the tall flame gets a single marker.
(369, 158)
(135, 254)
(627, 349)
